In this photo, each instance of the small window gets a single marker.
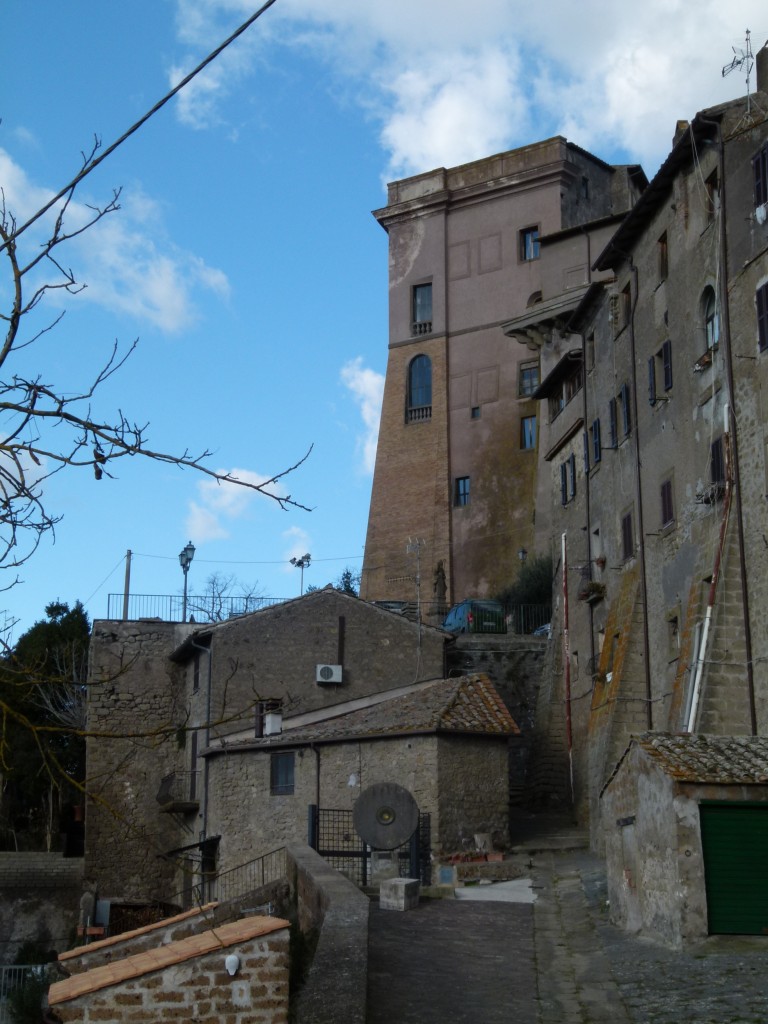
(586, 451)
(717, 461)
(627, 537)
(613, 423)
(591, 351)
(666, 364)
(281, 773)
(461, 491)
(422, 309)
(419, 397)
(528, 433)
(713, 195)
(760, 171)
(572, 477)
(596, 445)
(652, 381)
(585, 188)
(663, 257)
(563, 483)
(667, 508)
(528, 379)
(626, 412)
(475, 412)
(529, 244)
(762, 317)
(711, 318)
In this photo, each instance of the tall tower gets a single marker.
(456, 465)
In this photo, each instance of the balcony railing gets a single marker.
(178, 793)
(419, 327)
(169, 607)
(419, 413)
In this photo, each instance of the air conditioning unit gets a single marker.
(328, 675)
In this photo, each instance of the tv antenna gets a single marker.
(742, 60)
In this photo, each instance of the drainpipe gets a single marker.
(732, 423)
(587, 503)
(567, 660)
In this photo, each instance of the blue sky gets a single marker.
(244, 257)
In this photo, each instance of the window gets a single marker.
(568, 479)
(621, 307)
(585, 188)
(713, 195)
(666, 364)
(667, 509)
(563, 483)
(760, 171)
(419, 399)
(529, 244)
(281, 773)
(474, 412)
(594, 431)
(762, 317)
(663, 256)
(711, 318)
(717, 461)
(528, 379)
(626, 412)
(461, 491)
(528, 433)
(586, 451)
(652, 381)
(591, 351)
(627, 537)
(422, 309)
(613, 423)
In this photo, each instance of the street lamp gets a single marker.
(302, 563)
(185, 560)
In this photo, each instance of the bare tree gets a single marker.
(42, 428)
(224, 596)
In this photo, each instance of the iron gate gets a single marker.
(332, 834)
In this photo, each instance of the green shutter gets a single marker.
(734, 839)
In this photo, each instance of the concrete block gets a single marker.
(399, 894)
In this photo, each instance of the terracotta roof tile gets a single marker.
(730, 760)
(123, 936)
(162, 957)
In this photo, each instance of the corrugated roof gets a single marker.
(467, 704)
(162, 957)
(728, 760)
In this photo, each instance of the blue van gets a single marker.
(475, 616)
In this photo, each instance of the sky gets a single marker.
(244, 257)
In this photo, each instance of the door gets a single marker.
(734, 839)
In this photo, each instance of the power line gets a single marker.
(94, 163)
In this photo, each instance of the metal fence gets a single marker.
(169, 607)
(14, 978)
(233, 884)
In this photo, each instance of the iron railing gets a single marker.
(178, 788)
(233, 884)
(525, 618)
(13, 979)
(169, 607)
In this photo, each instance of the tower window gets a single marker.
(421, 319)
(529, 244)
(461, 491)
(419, 397)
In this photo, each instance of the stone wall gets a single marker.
(473, 775)
(333, 912)
(39, 901)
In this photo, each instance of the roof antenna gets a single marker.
(742, 59)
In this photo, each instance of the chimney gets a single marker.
(273, 723)
(761, 62)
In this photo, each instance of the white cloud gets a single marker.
(126, 263)
(218, 504)
(367, 387)
(448, 88)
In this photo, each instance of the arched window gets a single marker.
(419, 398)
(711, 316)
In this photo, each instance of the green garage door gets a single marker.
(734, 838)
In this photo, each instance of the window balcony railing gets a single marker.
(419, 327)
(178, 793)
(419, 413)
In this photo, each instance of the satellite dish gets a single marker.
(385, 816)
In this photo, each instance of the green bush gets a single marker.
(533, 584)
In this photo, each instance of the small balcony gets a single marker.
(178, 793)
(419, 327)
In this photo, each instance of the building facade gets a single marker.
(456, 468)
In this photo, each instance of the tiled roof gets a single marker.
(93, 947)
(162, 957)
(729, 760)
(467, 704)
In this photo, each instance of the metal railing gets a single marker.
(169, 607)
(13, 979)
(235, 883)
(177, 787)
(525, 618)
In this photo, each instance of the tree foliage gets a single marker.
(348, 582)
(533, 584)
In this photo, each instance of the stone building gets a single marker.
(208, 744)
(653, 442)
(456, 466)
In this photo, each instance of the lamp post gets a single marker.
(185, 560)
(302, 563)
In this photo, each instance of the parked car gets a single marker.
(475, 616)
(545, 630)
